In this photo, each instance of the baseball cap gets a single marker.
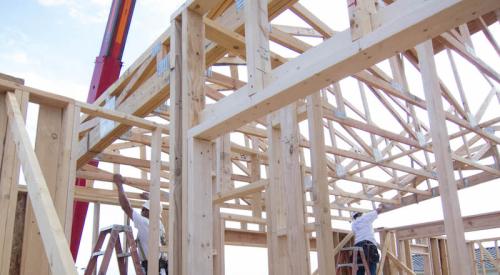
(146, 205)
(355, 213)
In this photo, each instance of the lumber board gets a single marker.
(148, 96)
(459, 258)
(339, 57)
(175, 224)
(200, 222)
(240, 191)
(48, 146)
(55, 243)
(320, 194)
(8, 179)
(155, 208)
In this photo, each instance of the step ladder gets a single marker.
(114, 243)
(348, 259)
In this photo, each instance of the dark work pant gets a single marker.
(163, 266)
(371, 254)
(372, 266)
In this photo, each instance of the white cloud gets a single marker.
(12, 36)
(18, 57)
(51, 82)
(52, 2)
(86, 12)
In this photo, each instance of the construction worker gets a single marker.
(362, 227)
(141, 222)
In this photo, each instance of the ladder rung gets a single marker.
(97, 254)
(351, 248)
(123, 255)
(348, 265)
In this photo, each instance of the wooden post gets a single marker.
(18, 238)
(454, 228)
(276, 245)
(257, 44)
(200, 220)
(175, 217)
(436, 257)
(9, 175)
(199, 214)
(222, 180)
(320, 194)
(360, 13)
(54, 147)
(289, 241)
(95, 228)
(52, 233)
(154, 202)
(443, 251)
(254, 177)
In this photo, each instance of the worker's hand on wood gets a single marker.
(118, 179)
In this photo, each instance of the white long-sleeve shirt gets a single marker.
(363, 227)
(142, 225)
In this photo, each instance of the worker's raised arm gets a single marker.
(122, 197)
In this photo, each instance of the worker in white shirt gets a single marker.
(141, 222)
(362, 227)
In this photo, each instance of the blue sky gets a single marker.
(52, 44)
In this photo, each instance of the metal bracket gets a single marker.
(340, 114)
(340, 170)
(162, 65)
(421, 139)
(106, 125)
(156, 49)
(240, 4)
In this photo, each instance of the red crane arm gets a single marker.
(106, 71)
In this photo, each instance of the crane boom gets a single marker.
(106, 71)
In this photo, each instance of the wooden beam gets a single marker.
(240, 191)
(223, 170)
(55, 148)
(257, 44)
(312, 20)
(55, 243)
(293, 194)
(198, 6)
(175, 224)
(200, 222)
(338, 57)
(154, 212)
(297, 31)
(147, 97)
(18, 238)
(232, 41)
(459, 258)
(434, 229)
(275, 212)
(320, 194)
(123, 160)
(120, 117)
(9, 175)
(198, 162)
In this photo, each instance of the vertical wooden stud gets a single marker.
(175, 217)
(454, 228)
(320, 193)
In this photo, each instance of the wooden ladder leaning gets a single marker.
(348, 258)
(114, 243)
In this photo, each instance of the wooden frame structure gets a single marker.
(283, 151)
